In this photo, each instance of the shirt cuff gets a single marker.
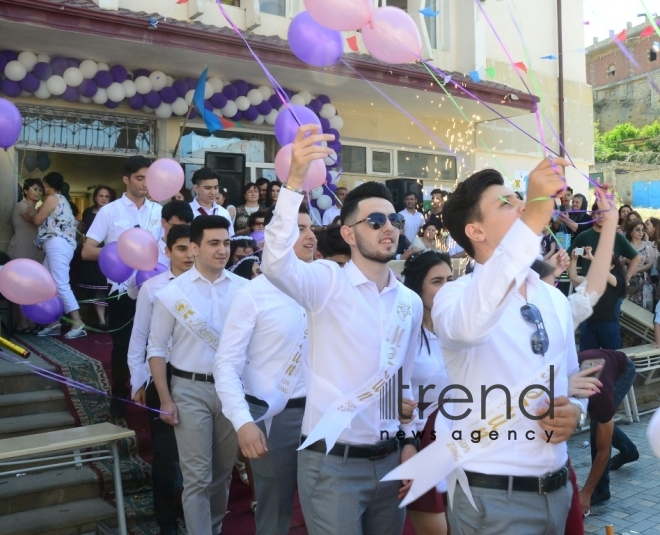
(242, 417)
(156, 353)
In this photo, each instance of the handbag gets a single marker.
(633, 286)
(563, 237)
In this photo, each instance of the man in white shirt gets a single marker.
(258, 368)
(364, 328)
(172, 213)
(499, 326)
(206, 184)
(131, 210)
(332, 212)
(190, 311)
(165, 454)
(414, 219)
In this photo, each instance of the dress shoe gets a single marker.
(619, 460)
(600, 497)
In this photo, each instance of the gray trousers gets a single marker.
(207, 450)
(346, 496)
(275, 474)
(528, 513)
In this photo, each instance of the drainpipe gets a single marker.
(560, 53)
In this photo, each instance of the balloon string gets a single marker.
(103, 299)
(67, 320)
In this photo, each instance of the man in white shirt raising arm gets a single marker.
(498, 327)
(364, 328)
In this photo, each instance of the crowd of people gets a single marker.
(272, 341)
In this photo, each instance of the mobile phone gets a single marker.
(590, 363)
(579, 251)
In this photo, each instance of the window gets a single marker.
(401, 4)
(426, 166)
(381, 162)
(432, 23)
(653, 55)
(274, 7)
(611, 70)
(354, 159)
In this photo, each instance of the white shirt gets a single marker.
(485, 341)
(262, 325)
(452, 247)
(413, 223)
(211, 299)
(162, 255)
(330, 214)
(137, 348)
(216, 209)
(348, 318)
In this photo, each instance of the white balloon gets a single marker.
(324, 202)
(164, 111)
(89, 68)
(307, 96)
(15, 71)
(143, 85)
(330, 159)
(327, 111)
(255, 97)
(28, 59)
(84, 100)
(208, 91)
(242, 103)
(316, 193)
(73, 76)
(42, 92)
(129, 88)
(265, 91)
(158, 80)
(334, 177)
(116, 92)
(270, 118)
(259, 120)
(170, 81)
(189, 96)
(56, 85)
(43, 58)
(216, 83)
(24, 93)
(336, 122)
(180, 106)
(298, 100)
(323, 143)
(101, 96)
(230, 109)
(147, 109)
(316, 216)
(102, 66)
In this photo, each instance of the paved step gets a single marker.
(16, 378)
(52, 487)
(37, 402)
(67, 519)
(35, 423)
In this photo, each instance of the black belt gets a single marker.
(295, 403)
(202, 377)
(542, 485)
(377, 451)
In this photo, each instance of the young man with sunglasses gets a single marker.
(501, 326)
(363, 328)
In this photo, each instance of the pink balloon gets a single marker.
(26, 282)
(342, 15)
(392, 36)
(315, 175)
(164, 180)
(138, 249)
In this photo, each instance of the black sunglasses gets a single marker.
(540, 342)
(377, 220)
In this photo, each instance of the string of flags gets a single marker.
(428, 12)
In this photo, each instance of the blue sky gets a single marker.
(613, 15)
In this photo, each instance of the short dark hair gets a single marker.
(256, 215)
(176, 233)
(409, 193)
(187, 196)
(31, 182)
(97, 190)
(249, 185)
(204, 222)
(134, 164)
(241, 242)
(363, 191)
(329, 242)
(261, 181)
(180, 209)
(542, 268)
(463, 206)
(203, 174)
(569, 189)
(54, 180)
(438, 191)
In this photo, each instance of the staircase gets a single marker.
(57, 501)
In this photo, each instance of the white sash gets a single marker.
(393, 349)
(278, 391)
(185, 312)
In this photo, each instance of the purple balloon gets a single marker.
(237, 117)
(103, 79)
(275, 101)
(337, 163)
(332, 187)
(112, 266)
(70, 95)
(264, 108)
(257, 235)
(88, 88)
(152, 99)
(73, 62)
(136, 102)
(42, 70)
(316, 105)
(290, 119)
(325, 99)
(335, 145)
(181, 87)
(313, 203)
(112, 105)
(325, 124)
(46, 312)
(3, 62)
(334, 132)
(251, 114)
(10, 55)
(208, 105)
(143, 276)
(218, 100)
(230, 91)
(59, 65)
(242, 87)
(193, 114)
(314, 44)
(30, 83)
(251, 87)
(192, 83)
(10, 119)
(141, 72)
(11, 88)
(289, 93)
(119, 73)
(168, 95)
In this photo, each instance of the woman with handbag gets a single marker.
(640, 290)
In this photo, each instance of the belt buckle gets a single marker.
(542, 482)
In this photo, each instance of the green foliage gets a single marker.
(625, 140)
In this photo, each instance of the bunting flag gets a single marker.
(622, 37)
(181, 1)
(475, 76)
(490, 71)
(647, 31)
(352, 43)
(428, 12)
(586, 23)
(521, 66)
(549, 57)
(212, 121)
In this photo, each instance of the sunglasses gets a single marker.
(540, 342)
(377, 220)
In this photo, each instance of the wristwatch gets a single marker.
(583, 416)
(286, 185)
(410, 440)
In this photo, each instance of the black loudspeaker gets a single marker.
(231, 168)
(400, 186)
